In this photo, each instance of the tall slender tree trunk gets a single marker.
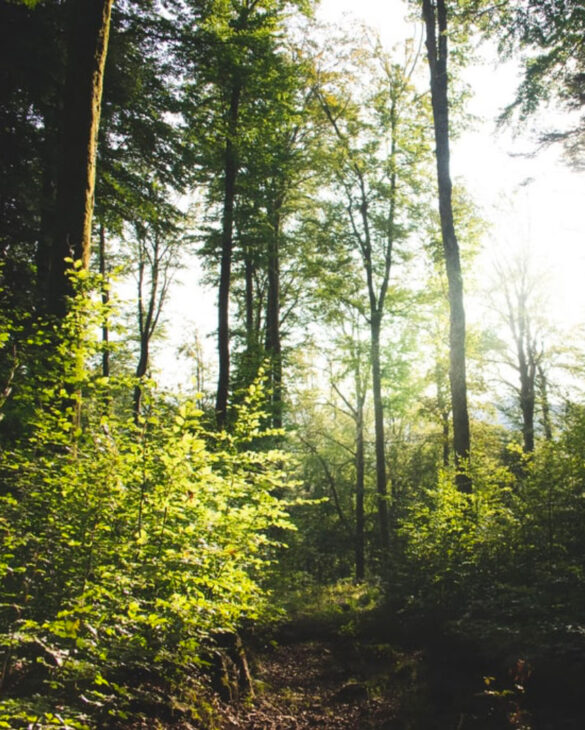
(446, 437)
(273, 342)
(376, 309)
(229, 196)
(87, 51)
(376, 314)
(381, 478)
(148, 313)
(141, 369)
(105, 304)
(249, 279)
(360, 567)
(251, 357)
(144, 330)
(251, 326)
(542, 382)
(527, 370)
(435, 18)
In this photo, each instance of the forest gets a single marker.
(360, 508)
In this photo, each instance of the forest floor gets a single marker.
(344, 665)
(315, 675)
(347, 663)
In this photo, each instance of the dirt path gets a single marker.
(329, 684)
(343, 683)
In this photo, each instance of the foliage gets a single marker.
(456, 540)
(125, 547)
(504, 563)
(547, 39)
(337, 603)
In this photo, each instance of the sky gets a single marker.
(532, 203)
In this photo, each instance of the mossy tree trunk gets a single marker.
(89, 24)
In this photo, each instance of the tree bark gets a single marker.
(251, 325)
(272, 342)
(105, 304)
(145, 319)
(544, 402)
(527, 370)
(251, 357)
(360, 569)
(517, 284)
(87, 51)
(381, 478)
(435, 18)
(376, 310)
(152, 290)
(223, 329)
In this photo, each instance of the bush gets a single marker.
(124, 546)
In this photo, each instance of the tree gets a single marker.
(156, 259)
(378, 168)
(135, 136)
(143, 134)
(433, 313)
(88, 30)
(145, 166)
(519, 301)
(354, 360)
(517, 293)
(133, 545)
(241, 44)
(435, 19)
(332, 426)
(277, 177)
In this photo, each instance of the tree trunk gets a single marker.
(251, 325)
(376, 309)
(381, 480)
(223, 329)
(360, 570)
(544, 403)
(87, 50)
(144, 333)
(527, 397)
(141, 369)
(272, 342)
(445, 438)
(376, 305)
(148, 313)
(435, 18)
(105, 304)
(251, 356)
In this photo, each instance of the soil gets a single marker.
(320, 679)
